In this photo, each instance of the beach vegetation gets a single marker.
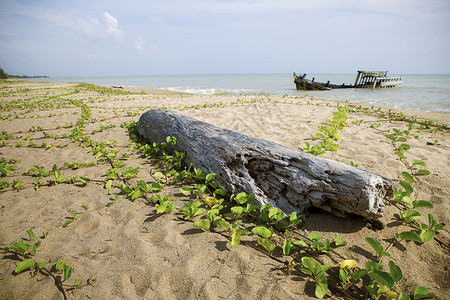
(25, 250)
(328, 134)
(208, 206)
(205, 213)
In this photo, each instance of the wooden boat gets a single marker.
(364, 79)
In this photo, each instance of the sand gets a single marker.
(135, 253)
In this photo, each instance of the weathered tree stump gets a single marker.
(291, 180)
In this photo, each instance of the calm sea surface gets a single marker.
(422, 92)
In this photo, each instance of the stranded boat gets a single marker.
(364, 79)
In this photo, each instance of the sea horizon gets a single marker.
(426, 92)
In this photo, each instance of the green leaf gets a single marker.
(372, 266)
(373, 289)
(409, 236)
(273, 212)
(164, 207)
(300, 243)
(211, 176)
(197, 212)
(427, 235)
(383, 289)
(225, 224)
(108, 184)
(306, 271)
(400, 154)
(422, 203)
(382, 277)
(266, 244)
(237, 210)
(243, 198)
(34, 247)
(358, 274)
(422, 293)
(423, 227)
(42, 265)
(84, 207)
(410, 215)
(73, 213)
(408, 177)
(431, 220)
(396, 272)
(423, 172)
(287, 244)
(343, 275)
(250, 207)
(407, 186)
(158, 175)
(202, 224)
(321, 286)
(294, 219)
(30, 233)
(338, 241)
(392, 138)
(265, 207)
(262, 231)
(84, 180)
(439, 227)
(312, 265)
(20, 247)
(418, 163)
(405, 146)
(77, 283)
(407, 200)
(236, 236)
(67, 272)
(135, 194)
(376, 245)
(220, 192)
(314, 236)
(185, 190)
(59, 265)
(24, 265)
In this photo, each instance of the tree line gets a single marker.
(3, 74)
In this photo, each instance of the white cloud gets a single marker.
(89, 26)
(139, 44)
(112, 26)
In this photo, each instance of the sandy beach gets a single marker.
(133, 252)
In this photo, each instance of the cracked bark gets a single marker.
(291, 180)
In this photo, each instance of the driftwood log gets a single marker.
(291, 180)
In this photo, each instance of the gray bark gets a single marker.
(291, 180)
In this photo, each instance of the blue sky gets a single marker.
(139, 37)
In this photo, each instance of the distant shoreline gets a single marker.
(26, 76)
(419, 92)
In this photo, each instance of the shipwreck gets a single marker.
(364, 79)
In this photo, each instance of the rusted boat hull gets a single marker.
(364, 79)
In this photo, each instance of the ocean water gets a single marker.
(421, 92)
